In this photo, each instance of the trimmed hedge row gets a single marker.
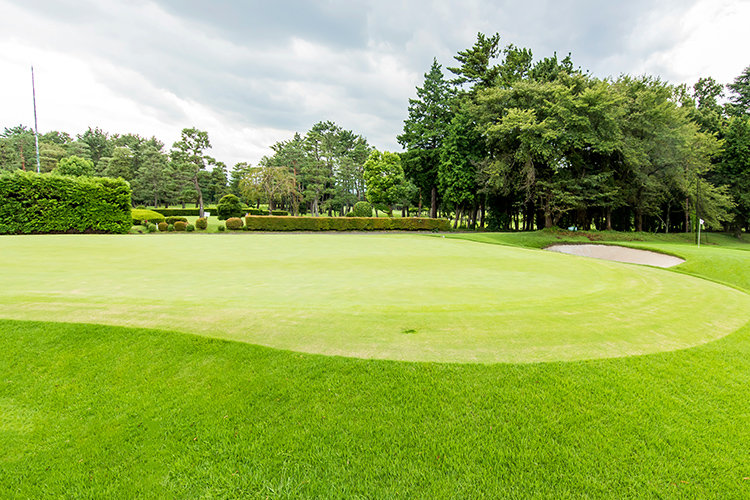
(194, 212)
(183, 212)
(257, 211)
(275, 223)
(48, 203)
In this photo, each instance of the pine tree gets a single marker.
(425, 130)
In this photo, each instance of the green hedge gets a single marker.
(276, 223)
(258, 211)
(195, 212)
(183, 212)
(47, 203)
(139, 215)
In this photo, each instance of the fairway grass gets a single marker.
(399, 297)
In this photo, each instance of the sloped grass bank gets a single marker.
(106, 412)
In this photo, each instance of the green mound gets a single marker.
(356, 295)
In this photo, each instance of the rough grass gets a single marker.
(107, 412)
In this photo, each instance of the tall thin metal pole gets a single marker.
(36, 128)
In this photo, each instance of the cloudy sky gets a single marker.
(252, 73)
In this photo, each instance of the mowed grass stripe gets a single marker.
(401, 297)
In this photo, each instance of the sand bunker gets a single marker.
(619, 254)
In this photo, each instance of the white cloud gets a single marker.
(712, 40)
(254, 74)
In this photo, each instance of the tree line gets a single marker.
(531, 144)
(509, 142)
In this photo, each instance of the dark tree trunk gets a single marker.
(639, 220)
(609, 218)
(433, 203)
(200, 195)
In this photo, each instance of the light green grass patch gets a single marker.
(355, 295)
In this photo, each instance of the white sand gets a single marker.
(619, 254)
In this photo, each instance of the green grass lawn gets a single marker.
(394, 296)
(90, 411)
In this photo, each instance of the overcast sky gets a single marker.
(252, 73)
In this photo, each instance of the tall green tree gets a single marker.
(75, 166)
(739, 98)
(98, 142)
(734, 169)
(460, 156)
(120, 164)
(189, 159)
(384, 177)
(425, 130)
(475, 64)
(152, 180)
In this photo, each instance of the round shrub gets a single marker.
(173, 219)
(163, 226)
(350, 214)
(201, 223)
(362, 209)
(234, 223)
(180, 225)
(229, 207)
(190, 228)
(151, 228)
(221, 228)
(170, 228)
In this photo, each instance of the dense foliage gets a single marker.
(539, 144)
(140, 215)
(229, 206)
(45, 203)
(234, 223)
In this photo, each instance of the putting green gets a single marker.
(402, 297)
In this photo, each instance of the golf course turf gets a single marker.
(92, 411)
(388, 296)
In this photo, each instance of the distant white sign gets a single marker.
(206, 214)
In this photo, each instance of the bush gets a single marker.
(350, 214)
(172, 219)
(190, 228)
(221, 228)
(141, 207)
(256, 211)
(229, 207)
(46, 203)
(151, 228)
(163, 226)
(268, 223)
(280, 213)
(141, 215)
(180, 225)
(234, 223)
(170, 228)
(362, 209)
(201, 223)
